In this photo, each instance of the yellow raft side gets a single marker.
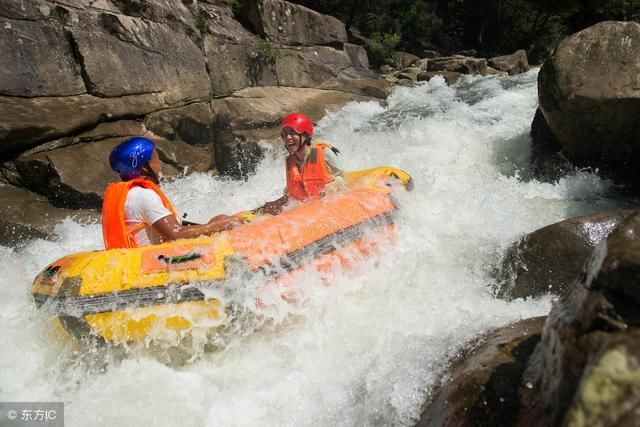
(369, 177)
(157, 321)
(120, 270)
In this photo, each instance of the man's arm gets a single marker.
(169, 227)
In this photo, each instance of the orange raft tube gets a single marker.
(160, 291)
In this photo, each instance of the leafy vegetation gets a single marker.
(491, 27)
(201, 24)
(381, 47)
(266, 52)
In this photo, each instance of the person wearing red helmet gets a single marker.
(310, 167)
(135, 212)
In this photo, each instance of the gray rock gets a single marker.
(459, 64)
(25, 215)
(516, 63)
(293, 25)
(589, 92)
(191, 124)
(121, 56)
(37, 60)
(260, 111)
(234, 66)
(402, 60)
(57, 175)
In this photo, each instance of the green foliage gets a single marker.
(236, 7)
(201, 24)
(266, 52)
(491, 27)
(381, 47)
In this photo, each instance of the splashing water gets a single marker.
(371, 347)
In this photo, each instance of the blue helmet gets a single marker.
(128, 157)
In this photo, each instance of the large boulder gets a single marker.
(484, 382)
(550, 259)
(589, 343)
(589, 92)
(73, 172)
(25, 215)
(293, 25)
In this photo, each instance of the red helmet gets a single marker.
(298, 122)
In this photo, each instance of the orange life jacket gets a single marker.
(315, 174)
(115, 232)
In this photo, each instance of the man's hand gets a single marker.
(226, 222)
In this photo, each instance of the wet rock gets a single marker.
(589, 92)
(550, 259)
(620, 273)
(590, 338)
(483, 389)
(25, 215)
(547, 159)
(516, 63)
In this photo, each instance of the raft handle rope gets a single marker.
(179, 258)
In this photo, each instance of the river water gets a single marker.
(369, 348)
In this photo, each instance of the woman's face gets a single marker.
(292, 140)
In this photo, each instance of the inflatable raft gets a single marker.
(155, 292)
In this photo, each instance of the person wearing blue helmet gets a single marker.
(135, 212)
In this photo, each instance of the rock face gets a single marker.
(79, 76)
(282, 22)
(550, 259)
(589, 92)
(585, 369)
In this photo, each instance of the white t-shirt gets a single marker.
(144, 206)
